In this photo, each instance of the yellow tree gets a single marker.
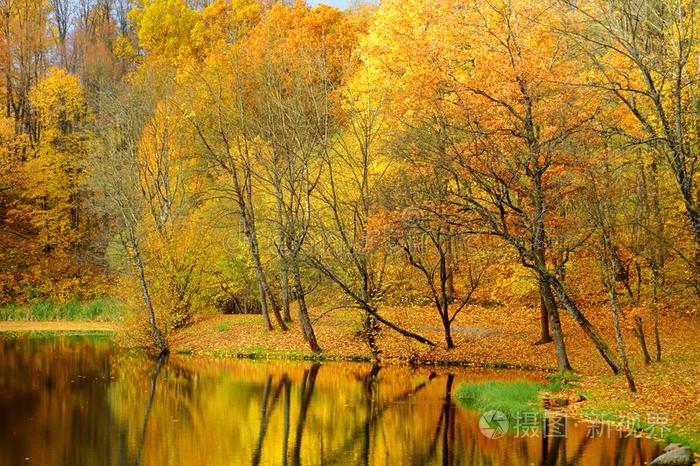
(23, 49)
(165, 28)
(644, 55)
(54, 171)
(487, 87)
(179, 43)
(218, 102)
(98, 46)
(12, 239)
(298, 57)
(173, 237)
(125, 190)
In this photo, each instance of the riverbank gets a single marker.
(667, 402)
(58, 326)
(103, 309)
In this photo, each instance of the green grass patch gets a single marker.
(562, 380)
(510, 398)
(68, 335)
(223, 326)
(100, 309)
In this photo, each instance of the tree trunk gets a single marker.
(655, 304)
(244, 199)
(263, 304)
(368, 307)
(692, 209)
(618, 337)
(694, 217)
(584, 323)
(284, 282)
(450, 262)
(259, 273)
(552, 311)
(445, 299)
(370, 326)
(639, 333)
(304, 320)
(263, 300)
(282, 250)
(545, 336)
(407, 333)
(539, 251)
(265, 292)
(659, 253)
(276, 309)
(370, 329)
(446, 324)
(160, 342)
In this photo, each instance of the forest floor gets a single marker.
(668, 397)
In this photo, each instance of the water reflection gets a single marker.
(160, 362)
(75, 401)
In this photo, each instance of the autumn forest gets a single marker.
(422, 180)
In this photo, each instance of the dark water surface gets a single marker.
(73, 400)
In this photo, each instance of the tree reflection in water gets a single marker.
(160, 361)
(78, 401)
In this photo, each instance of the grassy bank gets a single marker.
(41, 328)
(498, 337)
(100, 309)
(510, 398)
(578, 400)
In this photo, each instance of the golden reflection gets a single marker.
(74, 401)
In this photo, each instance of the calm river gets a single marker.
(75, 400)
